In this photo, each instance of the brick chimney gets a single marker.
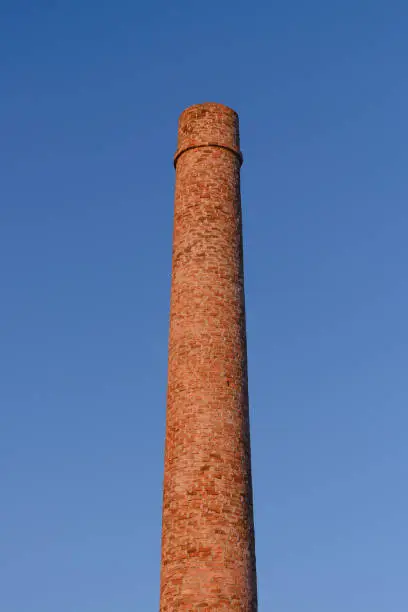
(208, 546)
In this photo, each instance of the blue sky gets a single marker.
(89, 100)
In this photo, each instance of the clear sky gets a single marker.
(90, 94)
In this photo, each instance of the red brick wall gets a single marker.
(208, 550)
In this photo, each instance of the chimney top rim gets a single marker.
(210, 105)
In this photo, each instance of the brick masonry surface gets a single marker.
(208, 547)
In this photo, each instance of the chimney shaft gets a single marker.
(208, 547)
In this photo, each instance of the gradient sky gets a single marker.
(90, 94)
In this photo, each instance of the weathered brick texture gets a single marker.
(208, 548)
